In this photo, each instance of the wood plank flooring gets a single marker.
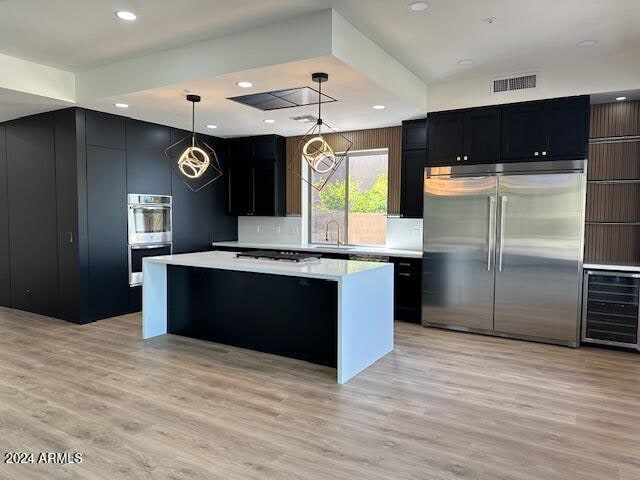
(443, 405)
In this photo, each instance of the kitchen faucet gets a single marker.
(326, 233)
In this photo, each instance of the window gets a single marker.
(355, 198)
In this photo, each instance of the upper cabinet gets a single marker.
(414, 134)
(464, 136)
(414, 159)
(565, 127)
(256, 176)
(446, 134)
(481, 135)
(105, 130)
(148, 171)
(546, 130)
(521, 132)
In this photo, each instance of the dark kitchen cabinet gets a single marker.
(265, 189)
(412, 183)
(240, 188)
(407, 289)
(5, 281)
(32, 214)
(192, 211)
(481, 136)
(148, 171)
(71, 207)
(546, 130)
(414, 134)
(464, 137)
(446, 134)
(107, 232)
(407, 280)
(565, 126)
(256, 176)
(105, 130)
(521, 131)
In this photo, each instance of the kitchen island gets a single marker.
(337, 313)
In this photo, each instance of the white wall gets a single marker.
(575, 76)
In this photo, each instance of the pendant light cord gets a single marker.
(193, 124)
(320, 107)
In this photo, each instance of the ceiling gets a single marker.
(355, 95)
(17, 104)
(527, 35)
(85, 33)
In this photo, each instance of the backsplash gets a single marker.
(402, 233)
(278, 230)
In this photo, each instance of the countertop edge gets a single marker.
(611, 267)
(388, 252)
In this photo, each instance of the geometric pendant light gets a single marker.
(318, 147)
(192, 159)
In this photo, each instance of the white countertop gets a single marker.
(325, 268)
(611, 267)
(357, 250)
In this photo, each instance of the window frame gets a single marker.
(345, 236)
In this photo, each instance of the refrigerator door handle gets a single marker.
(492, 230)
(503, 203)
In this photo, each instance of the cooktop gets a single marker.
(281, 256)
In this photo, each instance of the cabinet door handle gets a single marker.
(544, 153)
(404, 274)
(536, 153)
(458, 159)
(465, 157)
(404, 264)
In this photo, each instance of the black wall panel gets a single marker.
(67, 214)
(107, 232)
(32, 214)
(192, 211)
(147, 169)
(5, 280)
(105, 130)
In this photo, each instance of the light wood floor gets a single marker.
(443, 405)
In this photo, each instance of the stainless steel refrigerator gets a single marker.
(503, 249)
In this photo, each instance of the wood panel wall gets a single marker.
(617, 119)
(390, 138)
(612, 230)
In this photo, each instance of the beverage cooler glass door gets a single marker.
(539, 255)
(459, 246)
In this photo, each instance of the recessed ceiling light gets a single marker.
(621, 98)
(416, 7)
(212, 127)
(466, 61)
(586, 43)
(269, 120)
(121, 105)
(126, 16)
(244, 84)
(378, 107)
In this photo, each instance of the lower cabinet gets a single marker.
(407, 280)
(408, 289)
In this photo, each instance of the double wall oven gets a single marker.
(149, 226)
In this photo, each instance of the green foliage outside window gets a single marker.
(373, 200)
